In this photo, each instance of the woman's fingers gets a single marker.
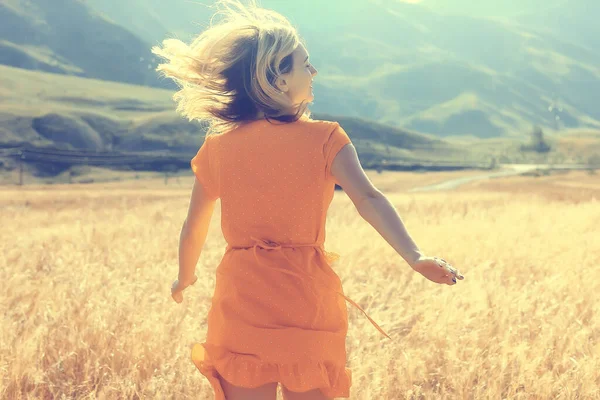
(453, 271)
(177, 289)
(178, 297)
(450, 279)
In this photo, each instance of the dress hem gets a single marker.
(246, 370)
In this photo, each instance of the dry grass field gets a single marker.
(87, 270)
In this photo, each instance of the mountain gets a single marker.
(425, 67)
(153, 20)
(68, 37)
(72, 113)
(570, 20)
(575, 21)
(445, 68)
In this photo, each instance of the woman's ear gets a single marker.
(281, 84)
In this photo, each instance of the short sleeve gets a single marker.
(336, 140)
(203, 167)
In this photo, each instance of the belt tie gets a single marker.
(270, 245)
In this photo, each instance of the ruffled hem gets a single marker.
(245, 370)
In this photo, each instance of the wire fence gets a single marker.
(54, 155)
(55, 160)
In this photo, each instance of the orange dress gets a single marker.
(278, 313)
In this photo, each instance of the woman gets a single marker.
(278, 314)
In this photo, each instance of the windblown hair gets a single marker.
(227, 74)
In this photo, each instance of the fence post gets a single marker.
(20, 168)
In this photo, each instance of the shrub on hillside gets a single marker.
(538, 143)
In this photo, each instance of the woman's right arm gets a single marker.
(372, 205)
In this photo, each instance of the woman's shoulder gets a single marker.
(306, 124)
(320, 124)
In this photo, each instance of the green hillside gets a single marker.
(403, 65)
(96, 117)
(69, 37)
(412, 65)
(68, 112)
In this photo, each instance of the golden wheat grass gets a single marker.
(87, 313)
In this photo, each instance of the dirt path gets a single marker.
(505, 170)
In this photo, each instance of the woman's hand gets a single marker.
(178, 287)
(437, 270)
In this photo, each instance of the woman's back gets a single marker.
(278, 312)
(273, 179)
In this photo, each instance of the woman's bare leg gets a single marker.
(265, 392)
(314, 394)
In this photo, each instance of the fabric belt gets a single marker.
(271, 245)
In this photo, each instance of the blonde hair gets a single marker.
(227, 74)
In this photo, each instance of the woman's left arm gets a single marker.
(194, 232)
